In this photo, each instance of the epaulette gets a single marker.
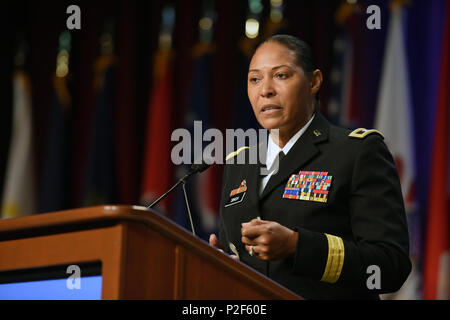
(361, 133)
(235, 153)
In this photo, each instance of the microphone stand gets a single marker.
(187, 206)
(183, 182)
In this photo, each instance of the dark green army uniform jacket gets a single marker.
(340, 191)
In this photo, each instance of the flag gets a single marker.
(202, 189)
(395, 119)
(206, 189)
(158, 167)
(355, 73)
(54, 185)
(100, 181)
(19, 188)
(436, 283)
(369, 54)
(243, 116)
(341, 105)
(340, 79)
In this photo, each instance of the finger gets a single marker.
(258, 220)
(235, 257)
(255, 250)
(259, 253)
(253, 231)
(214, 241)
(263, 257)
(249, 241)
(254, 222)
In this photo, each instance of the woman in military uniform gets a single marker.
(327, 220)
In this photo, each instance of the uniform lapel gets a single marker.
(301, 152)
(253, 172)
(253, 192)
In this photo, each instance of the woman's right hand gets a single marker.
(214, 242)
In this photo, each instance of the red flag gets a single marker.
(397, 125)
(158, 168)
(436, 264)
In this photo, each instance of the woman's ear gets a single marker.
(316, 81)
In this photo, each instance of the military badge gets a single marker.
(242, 188)
(308, 185)
(237, 195)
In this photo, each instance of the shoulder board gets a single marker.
(235, 153)
(361, 133)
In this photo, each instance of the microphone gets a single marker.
(200, 167)
(195, 168)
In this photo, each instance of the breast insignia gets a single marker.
(309, 186)
(361, 133)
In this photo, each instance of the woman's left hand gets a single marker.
(270, 240)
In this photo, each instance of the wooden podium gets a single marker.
(143, 255)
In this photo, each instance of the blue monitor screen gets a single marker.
(69, 282)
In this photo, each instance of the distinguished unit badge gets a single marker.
(238, 194)
(242, 188)
(309, 186)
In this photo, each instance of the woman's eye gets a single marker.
(282, 75)
(254, 80)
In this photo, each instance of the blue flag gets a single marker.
(201, 193)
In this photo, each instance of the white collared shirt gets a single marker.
(273, 150)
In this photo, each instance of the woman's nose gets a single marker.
(267, 89)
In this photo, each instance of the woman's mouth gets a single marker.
(270, 109)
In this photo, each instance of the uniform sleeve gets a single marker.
(378, 222)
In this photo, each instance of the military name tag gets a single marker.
(309, 186)
(237, 195)
(235, 199)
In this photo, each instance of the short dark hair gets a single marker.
(302, 51)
